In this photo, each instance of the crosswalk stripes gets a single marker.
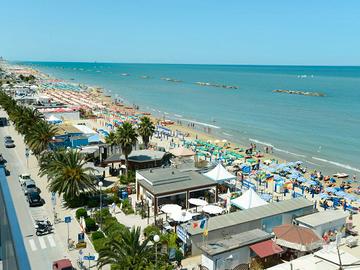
(42, 242)
(32, 245)
(51, 241)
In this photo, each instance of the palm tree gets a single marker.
(126, 137)
(66, 173)
(39, 136)
(111, 140)
(127, 252)
(146, 129)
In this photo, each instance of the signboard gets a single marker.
(67, 219)
(89, 258)
(81, 237)
(181, 233)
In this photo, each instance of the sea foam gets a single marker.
(337, 164)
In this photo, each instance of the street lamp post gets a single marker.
(156, 239)
(100, 186)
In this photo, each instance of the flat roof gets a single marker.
(67, 129)
(260, 212)
(320, 218)
(137, 156)
(167, 180)
(234, 241)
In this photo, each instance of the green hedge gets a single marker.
(81, 212)
(90, 225)
(151, 230)
(97, 235)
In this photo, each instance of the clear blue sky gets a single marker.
(308, 32)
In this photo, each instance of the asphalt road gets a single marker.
(42, 250)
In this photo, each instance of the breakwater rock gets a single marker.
(302, 93)
(217, 85)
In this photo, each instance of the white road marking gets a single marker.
(32, 245)
(51, 241)
(42, 242)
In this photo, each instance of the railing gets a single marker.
(12, 250)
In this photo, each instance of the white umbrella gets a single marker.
(181, 216)
(224, 141)
(198, 202)
(170, 208)
(82, 224)
(212, 209)
(216, 141)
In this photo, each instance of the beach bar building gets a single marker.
(324, 221)
(170, 185)
(235, 251)
(264, 217)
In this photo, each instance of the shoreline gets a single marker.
(328, 167)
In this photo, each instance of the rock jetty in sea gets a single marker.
(302, 93)
(217, 85)
(171, 80)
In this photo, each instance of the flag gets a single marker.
(202, 223)
(206, 232)
(195, 225)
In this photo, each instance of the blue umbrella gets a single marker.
(324, 196)
(266, 197)
(302, 179)
(331, 189)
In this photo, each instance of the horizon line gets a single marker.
(165, 63)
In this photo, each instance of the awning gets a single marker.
(266, 248)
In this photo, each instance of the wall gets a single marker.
(12, 250)
(227, 260)
(64, 115)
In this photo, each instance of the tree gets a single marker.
(128, 252)
(146, 129)
(126, 137)
(67, 173)
(39, 136)
(111, 140)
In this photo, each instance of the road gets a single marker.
(42, 250)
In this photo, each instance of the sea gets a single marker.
(324, 132)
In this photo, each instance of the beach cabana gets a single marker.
(182, 152)
(248, 200)
(219, 174)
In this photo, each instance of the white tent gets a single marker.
(220, 174)
(53, 119)
(248, 200)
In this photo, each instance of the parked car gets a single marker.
(24, 177)
(2, 160)
(28, 186)
(63, 264)
(34, 199)
(9, 144)
(6, 138)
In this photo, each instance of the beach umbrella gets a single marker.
(181, 216)
(299, 162)
(324, 196)
(212, 209)
(170, 208)
(330, 189)
(198, 202)
(224, 141)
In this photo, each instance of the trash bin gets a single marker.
(124, 195)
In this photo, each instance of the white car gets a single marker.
(24, 177)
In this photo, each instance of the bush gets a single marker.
(90, 224)
(127, 208)
(97, 235)
(81, 212)
(93, 201)
(104, 214)
(151, 230)
(99, 243)
(129, 178)
(76, 202)
(111, 227)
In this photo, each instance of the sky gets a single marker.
(277, 32)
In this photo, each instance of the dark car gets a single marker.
(34, 199)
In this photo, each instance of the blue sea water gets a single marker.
(321, 130)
